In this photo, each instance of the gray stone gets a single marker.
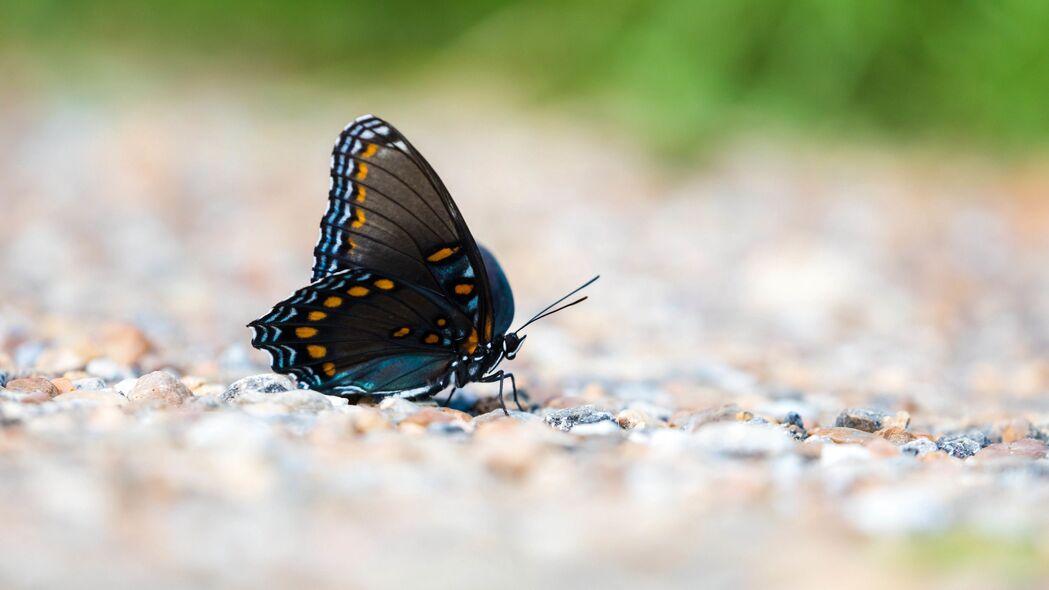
(918, 447)
(960, 446)
(265, 383)
(89, 384)
(865, 419)
(569, 418)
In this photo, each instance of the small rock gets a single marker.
(843, 436)
(568, 418)
(793, 424)
(63, 384)
(960, 446)
(895, 435)
(696, 420)
(745, 440)
(865, 419)
(90, 384)
(918, 447)
(602, 428)
(633, 418)
(265, 383)
(297, 400)
(900, 420)
(158, 389)
(37, 385)
(1025, 448)
(1013, 430)
(125, 386)
(397, 408)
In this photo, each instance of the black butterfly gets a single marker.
(403, 300)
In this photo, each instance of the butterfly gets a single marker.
(403, 301)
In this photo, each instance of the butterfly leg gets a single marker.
(448, 401)
(500, 377)
(513, 386)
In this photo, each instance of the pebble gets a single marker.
(297, 400)
(744, 440)
(1024, 448)
(89, 384)
(960, 446)
(365, 419)
(896, 435)
(63, 384)
(42, 388)
(125, 386)
(919, 447)
(632, 418)
(568, 418)
(158, 389)
(843, 436)
(602, 428)
(865, 419)
(696, 420)
(265, 383)
(397, 408)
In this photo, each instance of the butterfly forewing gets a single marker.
(388, 210)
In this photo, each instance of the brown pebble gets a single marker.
(1015, 430)
(158, 389)
(845, 436)
(37, 385)
(63, 384)
(632, 418)
(1026, 448)
(896, 435)
(900, 420)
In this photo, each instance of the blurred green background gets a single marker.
(676, 72)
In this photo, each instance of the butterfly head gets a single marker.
(511, 344)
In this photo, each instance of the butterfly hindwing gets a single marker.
(359, 331)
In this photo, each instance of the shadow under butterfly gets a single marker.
(403, 301)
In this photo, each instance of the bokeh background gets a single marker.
(842, 199)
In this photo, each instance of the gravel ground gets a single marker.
(803, 364)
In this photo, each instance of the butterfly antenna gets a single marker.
(546, 311)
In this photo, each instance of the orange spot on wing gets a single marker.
(402, 332)
(352, 244)
(464, 289)
(305, 332)
(329, 369)
(384, 284)
(358, 222)
(441, 322)
(333, 302)
(361, 192)
(316, 316)
(432, 339)
(471, 342)
(370, 150)
(358, 291)
(442, 254)
(316, 351)
(362, 171)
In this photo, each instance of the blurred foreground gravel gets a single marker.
(802, 366)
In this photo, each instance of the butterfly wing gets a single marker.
(362, 332)
(389, 210)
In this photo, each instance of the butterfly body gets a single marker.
(402, 301)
